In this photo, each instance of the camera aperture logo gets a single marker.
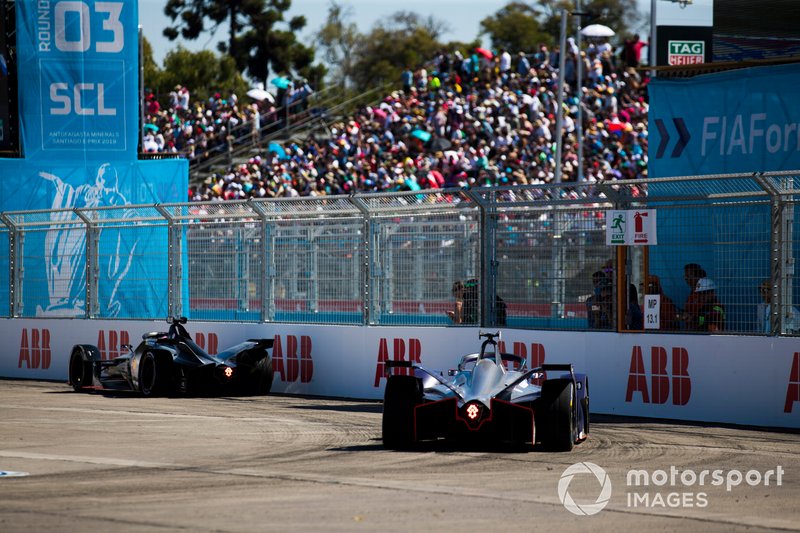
(669, 488)
(585, 509)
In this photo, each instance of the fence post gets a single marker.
(92, 265)
(14, 272)
(266, 273)
(367, 257)
(174, 263)
(775, 251)
(488, 256)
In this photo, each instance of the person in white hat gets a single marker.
(706, 313)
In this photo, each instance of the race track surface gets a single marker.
(125, 463)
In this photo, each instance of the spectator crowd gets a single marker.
(461, 120)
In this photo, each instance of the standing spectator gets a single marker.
(523, 65)
(505, 62)
(633, 51)
(407, 77)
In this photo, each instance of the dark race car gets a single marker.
(171, 363)
(483, 400)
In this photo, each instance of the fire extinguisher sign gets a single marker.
(631, 227)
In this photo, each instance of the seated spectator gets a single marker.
(599, 304)
(791, 322)
(465, 309)
(707, 312)
(634, 318)
(668, 313)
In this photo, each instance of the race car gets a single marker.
(482, 399)
(170, 363)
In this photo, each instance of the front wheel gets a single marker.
(558, 413)
(153, 375)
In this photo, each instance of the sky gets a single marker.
(461, 16)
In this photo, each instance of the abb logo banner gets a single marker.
(662, 374)
(290, 365)
(398, 354)
(793, 390)
(536, 359)
(213, 342)
(34, 353)
(110, 343)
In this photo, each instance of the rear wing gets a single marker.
(263, 343)
(557, 368)
(543, 368)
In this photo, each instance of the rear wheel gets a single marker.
(153, 375)
(80, 371)
(558, 413)
(261, 377)
(403, 394)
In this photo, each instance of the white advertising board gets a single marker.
(727, 379)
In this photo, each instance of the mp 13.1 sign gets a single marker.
(635, 227)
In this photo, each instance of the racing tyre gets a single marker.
(80, 371)
(403, 394)
(153, 375)
(585, 407)
(558, 413)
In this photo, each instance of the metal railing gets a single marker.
(324, 107)
(527, 255)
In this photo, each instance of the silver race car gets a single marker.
(490, 396)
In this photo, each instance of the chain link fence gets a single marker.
(531, 257)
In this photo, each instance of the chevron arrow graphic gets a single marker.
(683, 137)
(662, 132)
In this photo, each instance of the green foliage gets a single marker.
(404, 41)
(516, 28)
(338, 39)
(619, 15)
(256, 42)
(204, 73)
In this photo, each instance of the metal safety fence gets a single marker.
(534, 257)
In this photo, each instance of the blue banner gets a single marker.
(132, 263)
(79, 129)
(78, 77)
(745, 120)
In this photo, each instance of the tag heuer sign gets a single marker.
(686, 52)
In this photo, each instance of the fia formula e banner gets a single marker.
(78, 64)
(744, 120)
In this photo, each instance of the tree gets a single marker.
(339, 38)
(254, 41)
(619, 15)
(203, 72)
(405, 40)
(516, 28)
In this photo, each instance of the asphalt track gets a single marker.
(125, 463)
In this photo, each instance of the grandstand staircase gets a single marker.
(325, 108)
